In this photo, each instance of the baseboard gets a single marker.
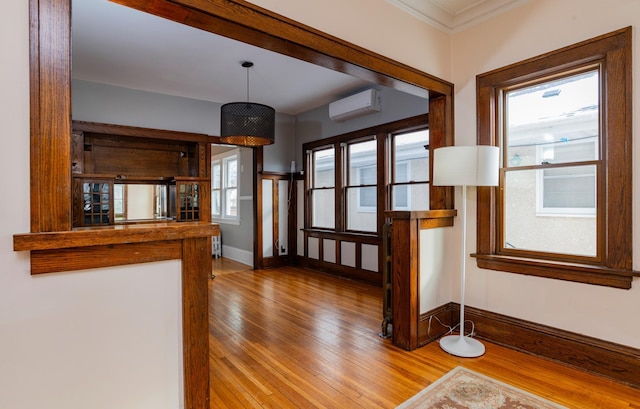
(242, 256)
(430, 327)
(604, 358)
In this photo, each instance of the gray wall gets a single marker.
(124, 106)
(316, 124)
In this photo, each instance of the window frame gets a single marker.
(216, 162)
(222, 160)
(228, 187)
(565, 211)
(405, 185)
(313, 187)
(347, 186)
(614, 265)
(364, 207)
(392, 168)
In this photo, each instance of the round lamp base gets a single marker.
(464, 347)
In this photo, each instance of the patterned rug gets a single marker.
(464, 389)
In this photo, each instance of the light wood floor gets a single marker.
(291, 338)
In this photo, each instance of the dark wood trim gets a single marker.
(196, 270)
(569, 272)
(108, 235)
(82, 258)
(613, 264)
(422, 214)
(382, 178)
(293, 217)
(386, 128)
(358, 274)
(596, 356)
(345, 236)
(430, 328)
(405, 267)
(122, 130)
(405, 298)
(258, 163)
(50, 104)
(277, 259)
(440, 135)
(338, 188)
(275, 197)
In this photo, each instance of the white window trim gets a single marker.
(215, 162)
(223, 158)
(561, 211)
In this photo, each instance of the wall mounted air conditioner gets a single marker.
(356, 105)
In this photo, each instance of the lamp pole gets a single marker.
(462, 346)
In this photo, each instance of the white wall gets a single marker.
(435, 268)
(535, 28)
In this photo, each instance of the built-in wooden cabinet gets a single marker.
(124, 175)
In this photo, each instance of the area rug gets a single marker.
(465, 389)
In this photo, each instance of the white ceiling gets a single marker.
(455, 15)
(116, 45)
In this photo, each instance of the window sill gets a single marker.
(580, 273)
(234, 222)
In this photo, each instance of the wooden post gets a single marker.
(405, 267)
(196, 267)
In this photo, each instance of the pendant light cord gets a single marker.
(247, 65)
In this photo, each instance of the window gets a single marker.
(410, 170)
(567, 190)
(367, 198)
(322, 188)
(563, 123)
(361, 185)
(230, 186)
(550, 139)
(352, 179)
(120, 201)
(216, 189)
(225, 187)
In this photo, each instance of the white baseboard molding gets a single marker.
(239, 255)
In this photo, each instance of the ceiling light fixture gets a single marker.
(247, 123)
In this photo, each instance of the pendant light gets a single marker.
(247, 123)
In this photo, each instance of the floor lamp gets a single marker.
(464, 166)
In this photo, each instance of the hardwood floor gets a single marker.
(292, 338)
(223, 265)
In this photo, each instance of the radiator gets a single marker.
(387, 281)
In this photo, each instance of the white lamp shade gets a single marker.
(475, 165)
